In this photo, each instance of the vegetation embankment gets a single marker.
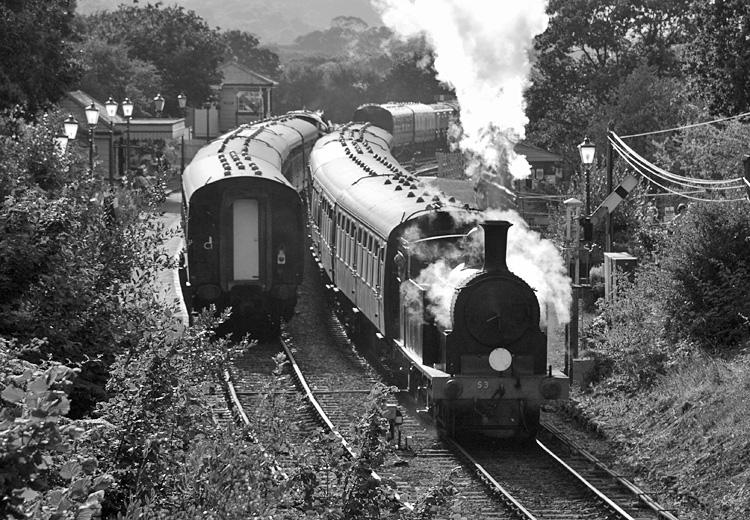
(671, 355)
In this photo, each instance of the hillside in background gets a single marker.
(270, 21)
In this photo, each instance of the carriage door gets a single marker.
(246, 240)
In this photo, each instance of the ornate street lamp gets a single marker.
(159, 104)
(111, 106)
(182, 101)
(587, 149)
(127, 111)
(92, 118)
(71, 127)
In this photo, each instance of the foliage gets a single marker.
(339, 85)
(66, 260)
(626, 337)
(336, 86)
(110, 72)
(158, 407)
(717, 58)
(682, 435)
(706, 152)
(413, 78)
(179, 43)
(245, 49)
(582, 58)
(707, 257)
(36, 52)
(39, 476)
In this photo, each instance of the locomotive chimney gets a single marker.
(495, 244)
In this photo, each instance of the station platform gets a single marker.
(168, 281)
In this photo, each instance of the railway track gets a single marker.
(318, 365)
(535, 482)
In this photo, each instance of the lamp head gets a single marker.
(92, 114)
(127, 107)
(159, 103)
(587, 149)
(71, 126)
(111, 106)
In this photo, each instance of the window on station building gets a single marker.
(250, 102)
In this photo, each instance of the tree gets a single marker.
(36, 52)
(179, 43)
(336, 86)
(719, 57)
(110, 72)
(589, 47)
(413, 78)
(245, 49)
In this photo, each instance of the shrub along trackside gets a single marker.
(671, 363)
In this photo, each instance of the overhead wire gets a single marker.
(745, 114)
(639, 164)
(678, 179)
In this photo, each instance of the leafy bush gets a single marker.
(626, 338)
(67, 259)
(39, 475)
(708, 259)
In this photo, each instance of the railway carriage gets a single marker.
(244, 221)
(414, 126)
(376, 233)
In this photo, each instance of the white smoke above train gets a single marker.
(482, 50)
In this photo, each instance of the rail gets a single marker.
(645, 498)
(513, 505)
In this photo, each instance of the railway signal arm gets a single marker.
(614, 199)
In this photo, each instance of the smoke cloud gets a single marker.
(533, 259)
(481, 50)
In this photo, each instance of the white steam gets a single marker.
(533, 259)
(538, 263)
(481, 49)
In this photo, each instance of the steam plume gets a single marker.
(534, 260)
(481, 50)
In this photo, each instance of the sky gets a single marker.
(271, 21)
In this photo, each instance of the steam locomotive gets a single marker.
(405, 265)
(244, 221)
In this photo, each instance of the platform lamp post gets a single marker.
(587, 150)
(92, 118)
(182, 101)
(127, 111)
(111, 106)
(159, 105)
(208, 121)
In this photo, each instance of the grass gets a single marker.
(688, 437)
